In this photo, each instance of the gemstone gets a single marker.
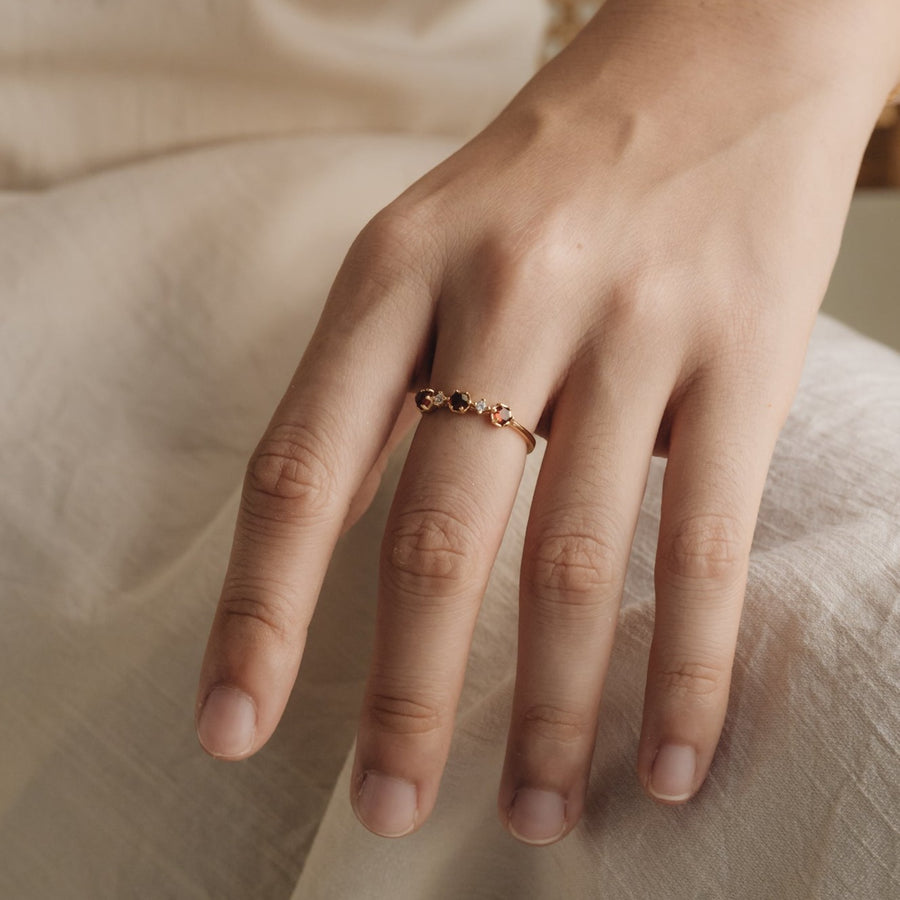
(425, 399)
(480, 406)
(460, 401)
(500, 415)
(439, 399)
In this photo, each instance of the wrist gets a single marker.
(836, 60)
(812, 44)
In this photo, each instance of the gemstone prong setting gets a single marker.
(460, 402)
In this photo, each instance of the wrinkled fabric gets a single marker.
(803, 794)
(86, 85)
(180, 181)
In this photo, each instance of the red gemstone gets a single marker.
(500, 415)
(425, 399)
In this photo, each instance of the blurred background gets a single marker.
(865, 287)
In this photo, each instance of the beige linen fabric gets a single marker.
(803, 795)
(88, 84)
(202, 168)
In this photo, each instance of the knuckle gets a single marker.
(705, 548)
(501, 257)
(429, 551)
(636, 303)
(402, 715)
(572, 568)
(574, 563)
(258, 611)
(692, 680)
(508, 262)
(552, 723)
(394, 246)
(288, 475)
(395, 227)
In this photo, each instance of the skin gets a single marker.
(631, 256)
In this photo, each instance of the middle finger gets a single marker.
(577, 544)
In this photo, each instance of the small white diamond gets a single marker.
(480, 406)
(439, 398)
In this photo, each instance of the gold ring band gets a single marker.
(460, 402)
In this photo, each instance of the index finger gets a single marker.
(323, 440)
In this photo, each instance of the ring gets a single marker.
(460, 402)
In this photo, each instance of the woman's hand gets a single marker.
(631, 256)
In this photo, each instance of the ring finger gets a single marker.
(576, 551)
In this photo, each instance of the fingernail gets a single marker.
(537, 817)
(672, 777)
(387, 805)
(227, 724)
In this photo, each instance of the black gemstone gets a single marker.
(459, 401)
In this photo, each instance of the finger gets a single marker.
(722, 439)
(449, 514)
(323, 440)
(577, 544)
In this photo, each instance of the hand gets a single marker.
(631, 256)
